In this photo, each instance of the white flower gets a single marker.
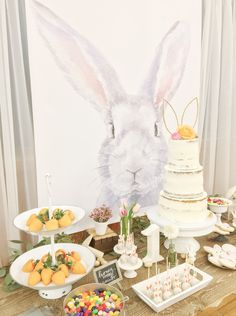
(171, 231)
(136, 208)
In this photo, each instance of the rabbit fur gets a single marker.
(132, 157)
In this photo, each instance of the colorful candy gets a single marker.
(217, 201)
(99, 302)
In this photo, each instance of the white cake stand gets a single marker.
(185, 242)
(51, 291)
(130, 272)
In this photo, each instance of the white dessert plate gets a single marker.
(87, 259)
(21, 219)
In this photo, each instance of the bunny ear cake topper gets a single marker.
(183, 131)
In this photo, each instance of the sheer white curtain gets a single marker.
(217, 121)
(17, 161)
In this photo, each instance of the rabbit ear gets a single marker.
(83, 66)
(164, 105)
(168, 66)
(192, 102)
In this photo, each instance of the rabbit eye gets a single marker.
(111, 130)
(156, 130)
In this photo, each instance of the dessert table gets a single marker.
(223, 284)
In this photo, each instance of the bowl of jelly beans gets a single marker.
(94, 299)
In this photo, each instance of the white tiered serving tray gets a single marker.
(21, 219)
(140, 287)
(52, 291)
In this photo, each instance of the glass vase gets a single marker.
(172, 255)
(126, 226)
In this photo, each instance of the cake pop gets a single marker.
(176, 280)
(186, 274)
(157, 297)
(157, 285)
(149, 290)
(166, 292)
(193, 279)
(168, 280)
(185, 284)
(177, 288)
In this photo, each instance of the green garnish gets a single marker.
(58, 213)
(48, 262)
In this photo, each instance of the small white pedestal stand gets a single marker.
(185, 242)
(218, 212)
(129, 269)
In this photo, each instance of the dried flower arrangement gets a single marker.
(101, 214)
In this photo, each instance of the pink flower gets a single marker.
(123, 212)
(176, 136)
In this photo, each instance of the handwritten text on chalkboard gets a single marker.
(109, 273)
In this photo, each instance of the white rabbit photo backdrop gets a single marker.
(99, 72)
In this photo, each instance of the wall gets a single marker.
(69, 132)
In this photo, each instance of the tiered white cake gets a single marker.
(183, 198)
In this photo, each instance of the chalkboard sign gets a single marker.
(108, 274)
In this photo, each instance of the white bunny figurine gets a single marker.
(132, 157)
(121, 243)
(133, 257)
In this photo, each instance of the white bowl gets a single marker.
(219, 208)
(21, 219)
(94, 286)
(87, 259)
